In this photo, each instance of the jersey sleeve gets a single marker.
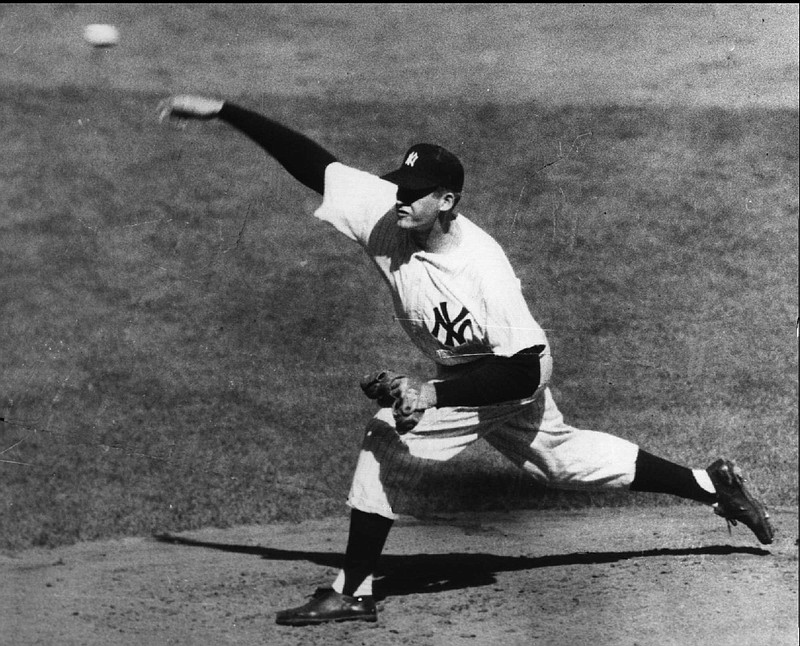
(354, 201)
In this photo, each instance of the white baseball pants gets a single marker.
(533, 436)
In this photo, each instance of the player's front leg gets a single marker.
(389, 466)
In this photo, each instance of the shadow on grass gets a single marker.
(402, 574)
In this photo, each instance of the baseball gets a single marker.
(101, 35)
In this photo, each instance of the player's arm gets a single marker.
(304, 159)
(495, 380)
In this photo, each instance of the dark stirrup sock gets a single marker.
(657, 475)
(368, 533)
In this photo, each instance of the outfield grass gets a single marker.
(182, 342)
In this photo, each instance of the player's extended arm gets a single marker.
(304, 159)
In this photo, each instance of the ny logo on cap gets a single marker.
(412, 159)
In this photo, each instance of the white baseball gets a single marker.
(101, 35)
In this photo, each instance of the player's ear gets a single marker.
(447, 200)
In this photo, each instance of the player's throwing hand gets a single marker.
(188, 107)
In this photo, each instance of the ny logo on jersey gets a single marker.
(456, 329)
(412, 159)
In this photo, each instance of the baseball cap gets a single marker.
(428, 166)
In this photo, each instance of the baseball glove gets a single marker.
(388, 389)
(378, 386)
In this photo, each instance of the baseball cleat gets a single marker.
(328, 605)
(734, 502)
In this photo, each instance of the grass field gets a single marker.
(181, 342)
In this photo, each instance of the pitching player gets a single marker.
(457, 297)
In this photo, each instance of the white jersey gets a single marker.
(456, 306)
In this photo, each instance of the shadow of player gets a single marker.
(402, 574)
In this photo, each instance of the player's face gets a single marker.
(419, 210)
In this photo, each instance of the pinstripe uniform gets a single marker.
(458, 306)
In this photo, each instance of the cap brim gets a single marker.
(413, 182)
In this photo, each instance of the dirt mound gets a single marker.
(617, 577)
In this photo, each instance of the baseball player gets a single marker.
(457, 297)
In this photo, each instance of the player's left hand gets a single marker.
(408, 397)
(412, 394)
(412, 398)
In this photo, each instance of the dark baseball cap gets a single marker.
(428, 166)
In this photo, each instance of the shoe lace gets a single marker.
(730, 522)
